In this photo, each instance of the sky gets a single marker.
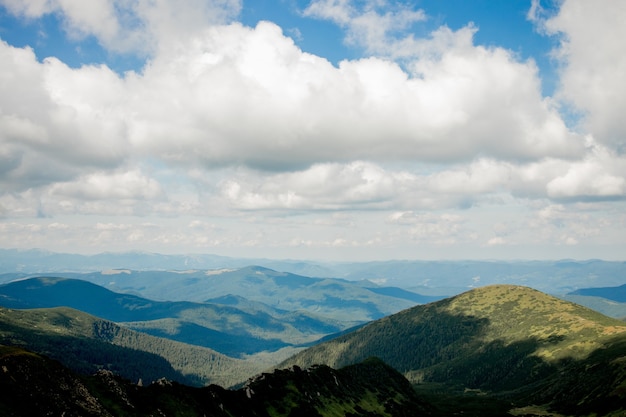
(344, 130)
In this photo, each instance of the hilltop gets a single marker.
(501, 340)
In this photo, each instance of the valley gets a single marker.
(490, 350)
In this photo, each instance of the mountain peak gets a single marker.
(496, 337)
(516, 312)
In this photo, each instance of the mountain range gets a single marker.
(320, 344)
(423, 276)
(491, 351)
(351, 302)
(617, 294)
(233, 331)
(86, 344)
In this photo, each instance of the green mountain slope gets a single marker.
(34, 385)
(86, 343)
(225, 328)
(497, 339)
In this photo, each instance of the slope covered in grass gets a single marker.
(502, 339)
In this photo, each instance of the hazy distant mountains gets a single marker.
(424, 277)
(225, 328)
(617, 294)
(188, 278)
(348, 301)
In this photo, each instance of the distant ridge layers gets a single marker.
(484, 352)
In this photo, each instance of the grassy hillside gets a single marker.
(86, 343)
(496, 339)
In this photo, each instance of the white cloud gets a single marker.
(241, 95)
(237, 123)
(140, 26)
(587, 179)
(593, 62)
(55, 120)
(129, 185)
(235, 95)
(437, 229)
(373, 25)
(323, 186)
(496, 241)
(573, 224)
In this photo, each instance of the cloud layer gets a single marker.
(226, 119)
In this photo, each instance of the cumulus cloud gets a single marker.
(100, 186)
(565, 225)
(55, 120)
(593, 65)
(228, 119)
(323, 186)
(237, 95)
(373, 25)
(439, 229)
(124, 26)
(242, 95)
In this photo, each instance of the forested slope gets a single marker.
(34, 385)
(499, 339)
(86, 343)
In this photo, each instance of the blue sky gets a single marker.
(500, 24)
(316, 129)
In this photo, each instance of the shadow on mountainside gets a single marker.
(86, 356)
(231, 345)
(457, 355)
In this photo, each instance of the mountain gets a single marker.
(225, 328)
(602, 305)
(86, 343)
(610, 301)
(37, 261)
(342, 300)
(453, 277)
(503, 341)
(436, 277)
(617, 294)
(43, 261)
(34, 385)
